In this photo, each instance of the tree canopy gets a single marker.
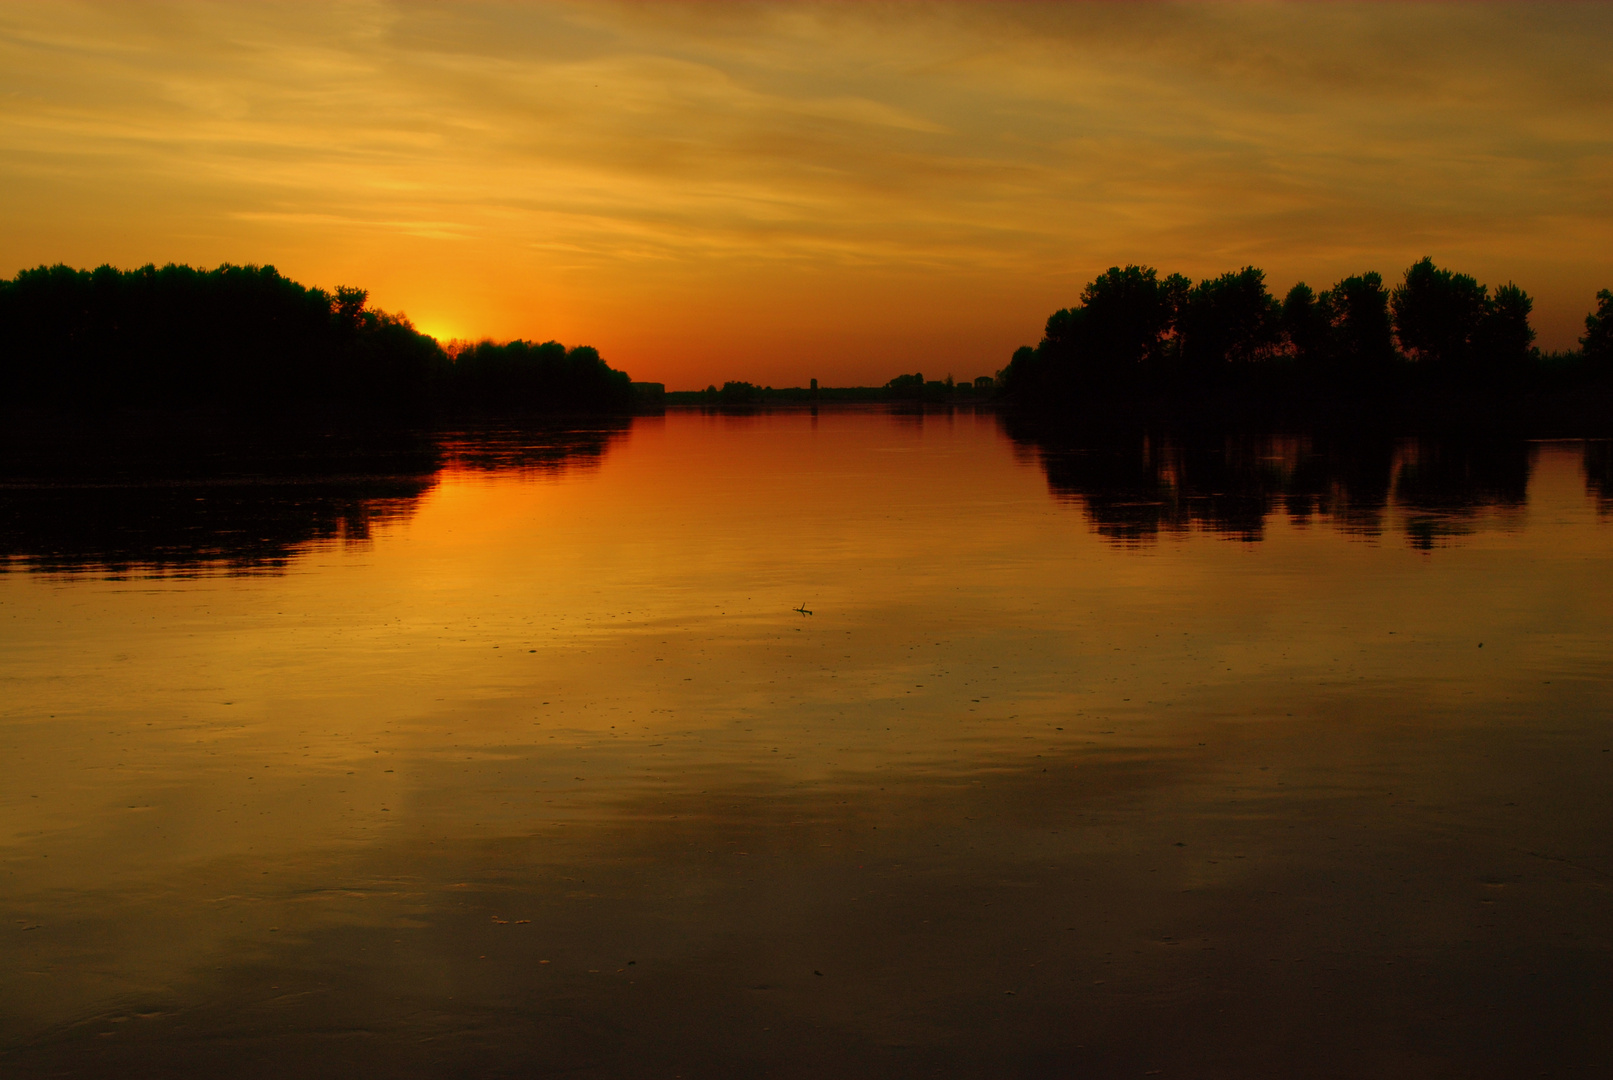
(1134, 331)
(1449, 321)
(1598, 340)
(247, 340)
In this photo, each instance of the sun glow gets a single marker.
(443, 331)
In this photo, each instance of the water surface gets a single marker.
(855, 743)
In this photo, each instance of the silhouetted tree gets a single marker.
(1598, 340)
(1307, 324)
(739, 393)
(1020, 376)
(1231, 319)
(1126, 315)
(1136, 336)
(349, 304)
(519, 376)
(246, 340)
(1437, 314)
(915, 387)
(1503, 338)
(1121, 330)
(1456, 330)
(1362, 344)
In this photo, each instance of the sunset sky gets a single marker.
(776, 191)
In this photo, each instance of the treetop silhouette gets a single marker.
(1438, 332)
(246, 340)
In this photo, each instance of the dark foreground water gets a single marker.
(511, 755)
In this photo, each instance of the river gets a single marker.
(847, 742)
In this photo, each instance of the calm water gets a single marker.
(510, 754)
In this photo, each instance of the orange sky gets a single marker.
(776, 192)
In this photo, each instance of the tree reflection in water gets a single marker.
(1134, 485)
(147, 504)
(165, 504)
(1599, 473)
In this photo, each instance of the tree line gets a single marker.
(247, 340)
(902, 388)
(1438, 331)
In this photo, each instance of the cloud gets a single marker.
(515, 163)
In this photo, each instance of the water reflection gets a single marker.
(186, 505)
(178, 505)
(1599, 473)
(553, 777)
(546, 450)
(1134, 486)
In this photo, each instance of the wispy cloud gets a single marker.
(677, 182)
